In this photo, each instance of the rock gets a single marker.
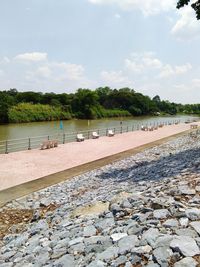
(66, 260)
(184, 221)
(162, 255)
(97, 263)
(109, 254)
(193, 214)
(171, 223)
(142, 249)
(75, 241)
(127, 243)
(196, 226)
(152, 265)
(186, 262)
(186, 190)
(186, 232)
(163, 241)
(150, 236)
(91, 209)
(105, 223)
(121, 260)
(185, 245)
(134, 229)
(89, 231)
(197, 188)
(161, 214)
(118, 236)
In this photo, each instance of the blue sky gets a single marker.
(60, 46)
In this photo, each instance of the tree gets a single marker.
(195, 6)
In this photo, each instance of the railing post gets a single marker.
(63, 138)
(121, 130)
(29, 143)
(48, 137)
(106, 132)
(127, 128)
(114, 130)
(6, 152)
(88, 134)
(132, 128)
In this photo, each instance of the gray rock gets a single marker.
(97, 263)
(7, 264)
(89, 231)
(75, 241)
(150, 236)
(119, 261)
(134, 228)
(66, 260)
(152, 265)
(161, 214)
(186, 232)
(184, 221)
(193, 214)
(186, 262)
(162, 255)
(196, 226)
(186, 190)
(185, 245)
(163, 241)
(109, 254)
(170, 223)
(127, 243)
(105, 223)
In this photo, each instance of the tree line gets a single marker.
(84, 104)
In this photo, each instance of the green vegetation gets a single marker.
(26, 112)
(84, 104)
(195, 5)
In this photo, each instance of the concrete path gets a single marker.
(21, 167)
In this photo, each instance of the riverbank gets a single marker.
(140, 211)
(21, 167)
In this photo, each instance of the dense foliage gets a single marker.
(84, 104)
(195, 6)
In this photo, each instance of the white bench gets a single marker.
(49, 144)
(110, 133)
(95, 135)
(80, 137)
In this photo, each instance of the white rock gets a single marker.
(186, 262)
(118, 236)
(186, 245)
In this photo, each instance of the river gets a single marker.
(23, 130)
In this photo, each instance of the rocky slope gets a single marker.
(141, 211)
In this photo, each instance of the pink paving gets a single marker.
(20, 167)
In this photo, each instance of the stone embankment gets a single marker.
(140, 211)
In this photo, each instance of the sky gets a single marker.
(62, 45)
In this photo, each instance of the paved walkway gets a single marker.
(21, 167)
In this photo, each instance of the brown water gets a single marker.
(23, 130)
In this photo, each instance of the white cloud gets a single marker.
(46, 75)
(115, 79)
(169, 70)
(32, 57)
(147, 62)
(139, 62)
(196, 83)
(5, 60)
(147, 7)
(187, 27)
(117, 16)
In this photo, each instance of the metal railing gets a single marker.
(7, 146)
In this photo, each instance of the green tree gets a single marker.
(195, 6)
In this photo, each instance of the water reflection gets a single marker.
(15, 131)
